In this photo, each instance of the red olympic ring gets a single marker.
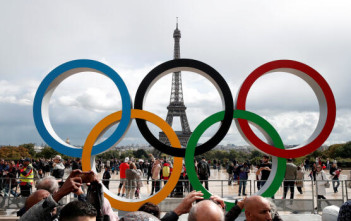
(325, 98)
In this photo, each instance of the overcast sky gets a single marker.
(133, 37)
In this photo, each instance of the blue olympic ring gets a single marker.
(46, 89)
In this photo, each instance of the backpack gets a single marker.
(203, 169)
(166, 171)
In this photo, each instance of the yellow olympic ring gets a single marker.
(114, 118)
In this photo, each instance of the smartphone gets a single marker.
(87, 177)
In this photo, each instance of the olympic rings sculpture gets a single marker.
(242, 117)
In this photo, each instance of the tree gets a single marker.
(140, 153)
(48, 153)
(14, 153)
(30, 148)
(255, 153)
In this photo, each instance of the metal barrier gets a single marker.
(331, 196)
(348, 189)
(301, 203)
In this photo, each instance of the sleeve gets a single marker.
(208, 169)
(170, 216)
(40, 211)
(27, 171)
(233, 213)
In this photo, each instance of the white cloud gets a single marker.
(238, 37)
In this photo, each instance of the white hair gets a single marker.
(48, 183)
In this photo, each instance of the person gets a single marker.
(299, 179)
(26, 178)
(321, 180)
(183, 207)
(307, 164)
(132, 178)
(3, 170)
(123, 167)
(149, 169)
(230, 170)
(139, 184)
(256, 208)
(58, 169)
(345, 212)
(11, 182)
(258, 177)
(155, 171)
(78, 210)
(264, 169)
(106, 177)
(76, 164)
(151, 208)
(313, 172)
(328, 164)
(290, 178)
(206, 210)
(243, 176)
(320, 161)
(166, 172)
(48, 183)
(203, 170)
(335, 172)
(43, 210)
(36, 197)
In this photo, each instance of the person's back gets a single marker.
(291, 171)
(345, 212)
(203, 168)
(123, 167)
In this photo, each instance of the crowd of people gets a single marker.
(322, 173)
(44, 204)
(17, 178)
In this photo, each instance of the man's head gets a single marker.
(57, 159)
(203, 158)
(150, 208)
(265, 158)
(78, 211)
(257, 208)
(48, 183)
(26, 161)
(206, 210)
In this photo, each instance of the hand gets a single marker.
(241, 203)
(186, 204)
(75, 173)
(72, 184)
(218, 200)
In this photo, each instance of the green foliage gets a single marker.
(140, 154)
(14, 153)
(30, 148)
(47, 153)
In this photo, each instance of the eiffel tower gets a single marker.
(176, 107)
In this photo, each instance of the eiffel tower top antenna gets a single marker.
(176, 107)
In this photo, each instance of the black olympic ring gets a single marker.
(199, 68)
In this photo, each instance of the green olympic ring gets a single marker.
(276, 176)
